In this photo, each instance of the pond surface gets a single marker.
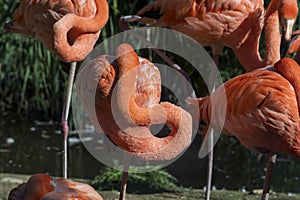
(32, 146)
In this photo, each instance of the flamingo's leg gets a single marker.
(266, 188)
(64, 121)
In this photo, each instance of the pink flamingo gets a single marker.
(43, 187)
(67, 28)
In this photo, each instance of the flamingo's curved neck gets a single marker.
(290, 70)
(248, 53)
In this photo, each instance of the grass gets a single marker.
(150, 182)
(9, 181)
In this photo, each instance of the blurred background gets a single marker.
(32, 86)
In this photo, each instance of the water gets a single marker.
(31, 146)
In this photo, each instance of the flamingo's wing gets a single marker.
(208, 22)
(36, 187)
(262, 111)
(148, 84)
(68, 189)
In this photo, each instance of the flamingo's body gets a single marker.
(211, 23)
(127, 103)
(262, 108)
(43, 187)
(236, 24)
(68, 28)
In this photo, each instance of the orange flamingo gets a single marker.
(235, 24)
(137, 96)
(67, 28)
(262, 115)
(43, 187)
(136, 85)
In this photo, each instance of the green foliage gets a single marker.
(31, 78)
(155, 181)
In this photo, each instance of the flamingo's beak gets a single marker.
(17, 27)
(287, 30)
(8, 26)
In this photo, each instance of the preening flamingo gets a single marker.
(43, 187)
(69, 29)
(129, 89)
(127, 102)
(262, 109)
(236, 24)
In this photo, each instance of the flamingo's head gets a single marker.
(18, 25)
(288, 11)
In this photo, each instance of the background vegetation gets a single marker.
(150, 182)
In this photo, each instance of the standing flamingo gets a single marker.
(129, 87)
(235, 24)
(67, 28)
(43, 187)
(262, 115)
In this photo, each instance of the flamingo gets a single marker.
(137, 99)
(129, 87)
(235, 24)
(262, 115)
(67, 28)
(43, 187)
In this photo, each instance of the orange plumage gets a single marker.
(43, 187)
(236, 24)
(127, 103)
(68, 28)
(262, 108)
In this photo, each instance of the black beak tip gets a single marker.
(285, 44)
(8, 25)
(284, 47)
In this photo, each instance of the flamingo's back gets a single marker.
(208, 22)
(43, 187)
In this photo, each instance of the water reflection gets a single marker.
(28, 147)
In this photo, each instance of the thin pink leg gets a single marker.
(64, 122)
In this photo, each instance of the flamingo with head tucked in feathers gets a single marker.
(43, 187)
(135, 84)
(127, 102)
(67, 28)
